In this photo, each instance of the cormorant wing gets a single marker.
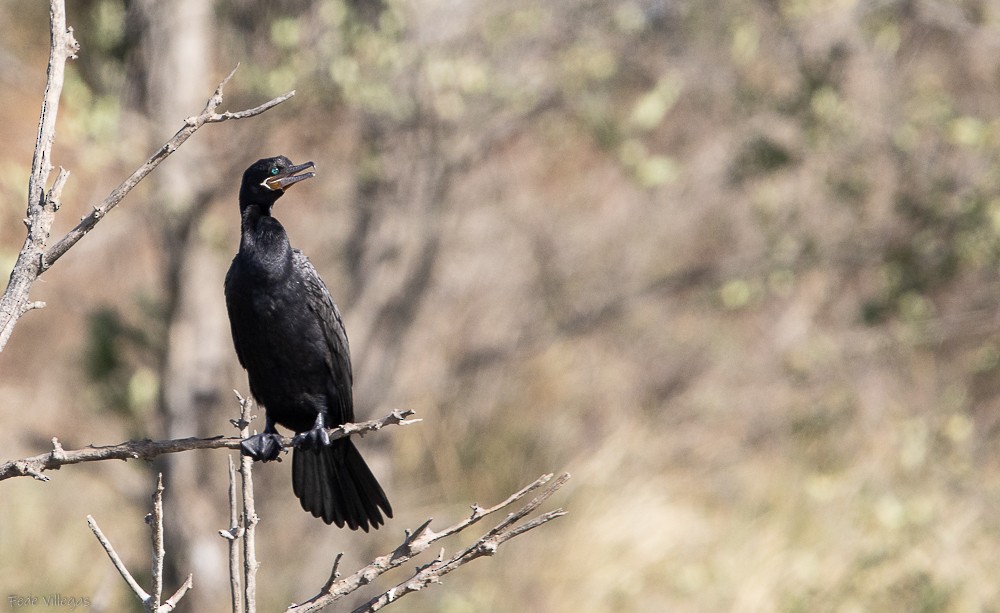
(338, 359)
(232, 305)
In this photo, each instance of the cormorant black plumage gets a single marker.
(290, 339)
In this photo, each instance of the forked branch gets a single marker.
(36, 256)
(151, 602)
(191, 125)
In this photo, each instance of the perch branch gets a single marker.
(423, 537)
(147, 449)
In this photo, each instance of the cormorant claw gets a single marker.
(262, 447)
(312, 439)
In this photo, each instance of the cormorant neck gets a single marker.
(254, 210)
(263, 237)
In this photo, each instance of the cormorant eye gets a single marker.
(274, 170)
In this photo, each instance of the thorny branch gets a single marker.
(147, 449)
(418, 541)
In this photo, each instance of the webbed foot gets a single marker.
(315, 438)
(262, 447)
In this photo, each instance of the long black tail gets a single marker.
(335, 484)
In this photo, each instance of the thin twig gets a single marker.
(335, 573)
(117, 561)
(150, 602)
(486, 545)
(233, 535)
(171, 602)
(191, 125)
(156, 524)
(147, 449)
(432, 573)
(420, 539)
(34, 259)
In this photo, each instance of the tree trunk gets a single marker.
(175, 62)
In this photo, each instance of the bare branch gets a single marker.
(41, 210)
(513, 518)
(156, 523)
(257, 110)
(34, 259)
(432, 573)
(233, 535)
(150, 602)
(117, 561)
(250, 518)
(62, 47)
(171, 602)
(421, 538)
(191, 125)
(147, 449)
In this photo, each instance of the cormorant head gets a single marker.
(267, 179)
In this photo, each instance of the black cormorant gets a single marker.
(290, 339)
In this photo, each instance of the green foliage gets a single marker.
(950, 229)
(113, 361)
(760, 155)
(106, 40)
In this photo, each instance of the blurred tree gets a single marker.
(117, 361)
(172, 62)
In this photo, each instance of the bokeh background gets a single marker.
(734, 265)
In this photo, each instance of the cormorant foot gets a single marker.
(262, 447)
(312, 439)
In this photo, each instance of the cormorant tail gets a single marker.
(334, 484)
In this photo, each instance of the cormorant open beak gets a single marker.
(287, 177)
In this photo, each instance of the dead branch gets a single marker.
(191, 125)
(432, 573)
(418, 541)
(41, 209)
(233, 535)
(147, 449)
(250, 518)
(155, 520)
(34, 259)
(116, 560)
(151, 602)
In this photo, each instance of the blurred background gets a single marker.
(734, 265)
